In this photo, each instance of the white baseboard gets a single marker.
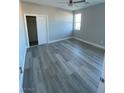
(59, 40)
(22, 74)
(93, 44)
(96, 45)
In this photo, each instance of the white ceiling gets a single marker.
(56, 3)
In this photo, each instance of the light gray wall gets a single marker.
(93, 24)
(22, 36)
(60, 21)
(22, 44)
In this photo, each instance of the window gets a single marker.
(77, 21)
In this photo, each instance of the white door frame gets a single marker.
(26, 29)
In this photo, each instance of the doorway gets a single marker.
(32, 30)
(36, 29)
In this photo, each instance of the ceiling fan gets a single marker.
(71, 2)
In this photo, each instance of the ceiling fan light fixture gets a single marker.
(71, 2)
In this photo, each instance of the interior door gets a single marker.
(42, 29)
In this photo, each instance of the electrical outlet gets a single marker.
(102, 80)
(20, 69)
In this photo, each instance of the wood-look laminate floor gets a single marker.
(68, 66)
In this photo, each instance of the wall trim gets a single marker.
(24, 58)
(53, 41)
(93, 44)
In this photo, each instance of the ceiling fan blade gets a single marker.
(80, 1)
